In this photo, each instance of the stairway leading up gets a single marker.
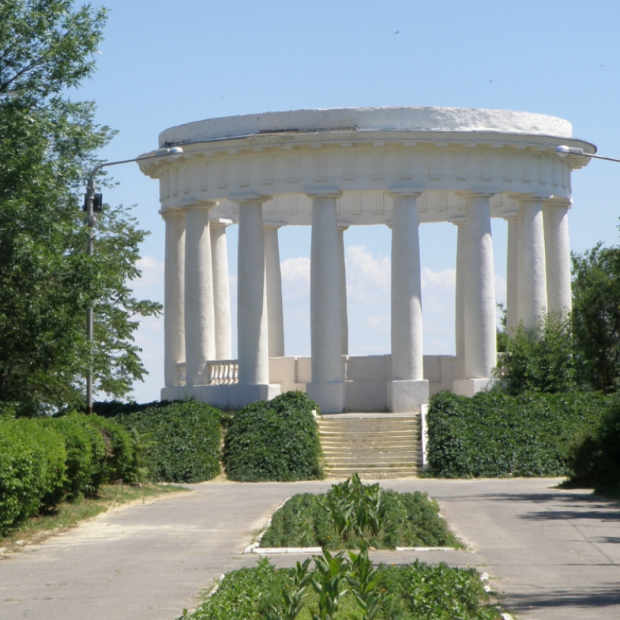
(375, 445)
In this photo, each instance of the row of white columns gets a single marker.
(197, 306)
(538, 275)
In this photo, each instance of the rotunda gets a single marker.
(336, 168)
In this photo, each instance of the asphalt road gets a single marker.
(550, 553)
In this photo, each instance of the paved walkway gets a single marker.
(553, 554)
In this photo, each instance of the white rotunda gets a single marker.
(336, 168)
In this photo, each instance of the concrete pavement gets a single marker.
(553, 554)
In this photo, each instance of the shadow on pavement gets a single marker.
(603, 596)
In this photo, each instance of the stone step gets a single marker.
(371, 473)
(375, 432)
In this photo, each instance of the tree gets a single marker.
(47, 281)
(596, 315)
(539, 359)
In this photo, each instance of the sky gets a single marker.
(166, 63)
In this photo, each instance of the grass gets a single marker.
(411, 592)
(411, 520)
(66, 515)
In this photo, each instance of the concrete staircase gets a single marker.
(376, 446)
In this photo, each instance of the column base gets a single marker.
(177, 392)
(469, 387)
(406, 396)
(329, 396)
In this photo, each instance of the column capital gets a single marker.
(457, 220)
(475, 193)
(275, 225)
(558, 201)
(405, 192)
(511, 215)
(200, 205)
(171, 212)
(343, 225)
(533, 197)
(249, 198)
(323, 192)
(220, 222)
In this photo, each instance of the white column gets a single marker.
(327, 386)
(532, 288)
(199, 313)
(407, 390)
(480, 329)
(557, 255)
(253, 341)
(273, 275)
(344, 319)
(221, 289)
(174, 295)
(512, 274)
(459, 314)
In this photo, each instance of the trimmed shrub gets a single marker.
(121, 458)
(494, 434)
(32, 470)
(276, 440)
(113, 408)
(86, 454)
(594, 456)
(181, 441)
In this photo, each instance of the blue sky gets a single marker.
(165, 63)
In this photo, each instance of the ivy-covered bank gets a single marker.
(276, 440)
(494, 434)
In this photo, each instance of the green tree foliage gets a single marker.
(596, 316)
(539, 359)
(47, 282)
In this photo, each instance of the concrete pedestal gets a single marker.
(331, 397)
(406, 396)
(469, 387)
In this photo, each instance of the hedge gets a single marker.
(594, 456)
(46, 460)
(495, 435)
(276, 440)
(181, 441)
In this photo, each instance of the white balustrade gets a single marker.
(223, 372)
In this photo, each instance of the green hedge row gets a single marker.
(276, 440)
(494, 434)
(594, 457)
(46, 460)
(180, 441)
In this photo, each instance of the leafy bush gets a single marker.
(412, 591)
(538, 359)
(113, 408)
(494, 434)
(121, 459)
(406, 520)
(181, 441)
(31, 470)
(595, 455)
(276, 440)
(46, 460)
(86, 454)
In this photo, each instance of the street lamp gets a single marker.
(93, 203)
(564, 151)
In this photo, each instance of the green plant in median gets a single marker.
(333, 521)
(294, 594)
(275, 440)
(412, 592)
(363, 580)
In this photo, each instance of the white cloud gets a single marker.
(152, 276)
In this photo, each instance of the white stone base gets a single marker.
(406, 396)
(223, 396)
(330, 397)
(469, 387)
(176, 393)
